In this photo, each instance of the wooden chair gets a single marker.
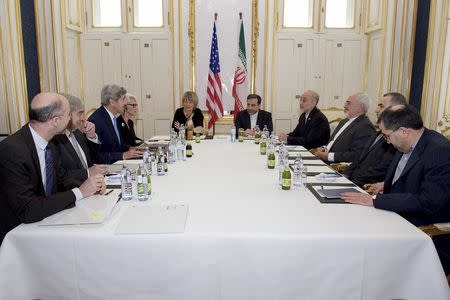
(433, 231)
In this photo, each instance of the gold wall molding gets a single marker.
(191, 34)
(3, 74)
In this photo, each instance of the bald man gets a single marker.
(313, 129)
(32, 184)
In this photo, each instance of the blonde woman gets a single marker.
(126, 124)
(189, 115)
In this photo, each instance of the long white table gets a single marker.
(245, 239)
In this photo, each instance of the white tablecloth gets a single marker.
(245, 239)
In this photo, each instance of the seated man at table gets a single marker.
(351, 134)
(417, 182)
(313, 129)
(376, 157)
(252, 116)
(78, 145)
(107, 128)
(33, 186)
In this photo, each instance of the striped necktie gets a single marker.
(48, 171)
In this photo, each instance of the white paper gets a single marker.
(91, 210)
(159, 138)
(302, 153)
(319, 169)
(155, 218)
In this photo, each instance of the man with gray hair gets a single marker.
(78, 145)
(33, 186)
(313, 129)
(350, 136)
(107, 128)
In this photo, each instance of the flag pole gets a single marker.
(240, 15)
(215, 16)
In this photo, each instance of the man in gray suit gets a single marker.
(350, 136)
(78, 145)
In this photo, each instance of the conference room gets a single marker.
(205, 149)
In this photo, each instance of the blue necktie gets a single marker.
(116, 129)
(48, 171)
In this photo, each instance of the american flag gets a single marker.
(214, 88)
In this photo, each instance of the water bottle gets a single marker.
(147, 160)
(160, 162)
(182, 132)
(283, 161)
(297, 175)
(257, 135)
(233, 133)
(304, 176)
(126, 186)
(142, 183)
(172, 150)
(266, 131)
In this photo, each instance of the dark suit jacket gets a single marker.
(373, 163)
(349, 144)
(422, 192)
(22, 196)
(243, 120)
(313, 134)
(111, 149)
(127, 132)
(69, 159)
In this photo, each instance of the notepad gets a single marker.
(91, 210)
(155, 218)
(335, 193)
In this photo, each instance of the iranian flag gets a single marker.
(240, 82)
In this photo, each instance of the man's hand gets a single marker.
(322, 153)
(133, 152)
(91, 185)
(357, 198)
(375, 188)
(97, 169)
(88, 128)
(248, 132)
(282, 137)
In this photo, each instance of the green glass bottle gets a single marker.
(149, 184)
(189, 150)
(271, 160)
(263, 147)
(286, 179)
(257, 135)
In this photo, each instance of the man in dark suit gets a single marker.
(348, 139)
(313, 129)
(107, 128)
(417, 181)
(78, 145)
(252, 116)
(32, 184)
(376, 157)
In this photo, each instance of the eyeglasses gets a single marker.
(387, 137)
(132, 104)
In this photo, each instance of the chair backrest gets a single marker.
(334, 123)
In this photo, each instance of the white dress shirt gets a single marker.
(330, 144)
(253, 119)
(41, 144)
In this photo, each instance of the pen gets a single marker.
(108, 192)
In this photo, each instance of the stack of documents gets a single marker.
(91, 210)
